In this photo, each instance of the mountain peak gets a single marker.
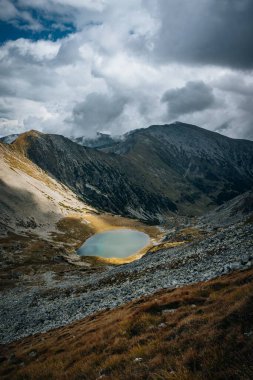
(22, 141)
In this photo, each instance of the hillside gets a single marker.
(193, 250)
(152, 173)
(186, 157)
(99, 178)
(42, 222)
(31, 200)
(197, 332)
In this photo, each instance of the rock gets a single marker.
(168, 311)
(138, 360)
(162, 325)
(244, 259)
(32, 354)
(235, 266)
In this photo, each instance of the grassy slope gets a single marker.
(203, 331)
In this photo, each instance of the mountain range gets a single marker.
(149, 173)
(190, 190)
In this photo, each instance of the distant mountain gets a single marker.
(176, 168)
(101, 141)
(9, 139)
(215, 165)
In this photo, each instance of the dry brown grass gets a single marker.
(73, 230)
(203, 331)
(189, 234)
(166, 245)
(106, 222)
(21, 163)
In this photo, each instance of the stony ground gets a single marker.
(48, 300)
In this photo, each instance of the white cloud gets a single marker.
(8, 10)
(50, 86)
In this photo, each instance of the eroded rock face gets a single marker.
(151, 172)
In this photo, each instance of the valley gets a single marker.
(199, 251)
(195, 205)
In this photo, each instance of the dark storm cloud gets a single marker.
(215, 32)
(223, 127)
(194, 96)
(236, 84)
(96, 113)
(5, 89)
(5, 111)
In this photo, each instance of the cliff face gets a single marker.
(152, 172)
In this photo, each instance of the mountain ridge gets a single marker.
(159, 170)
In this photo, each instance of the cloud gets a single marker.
(215, 32)
(120, 59)
(20, 18)
(237, 84)
(193, 97)
(97, 112)
(8, 10)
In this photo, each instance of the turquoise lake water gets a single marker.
(115, 243)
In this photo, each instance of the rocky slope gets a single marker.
(153, 172)
(202, 331)
(200, 250)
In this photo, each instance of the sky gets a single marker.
(75, 67)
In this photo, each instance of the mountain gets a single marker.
(214, 165)
(9, 139)
(101, 141)
(41, 220)
(98, 178)
(150, 173)
(194, 277)
(31, 201)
